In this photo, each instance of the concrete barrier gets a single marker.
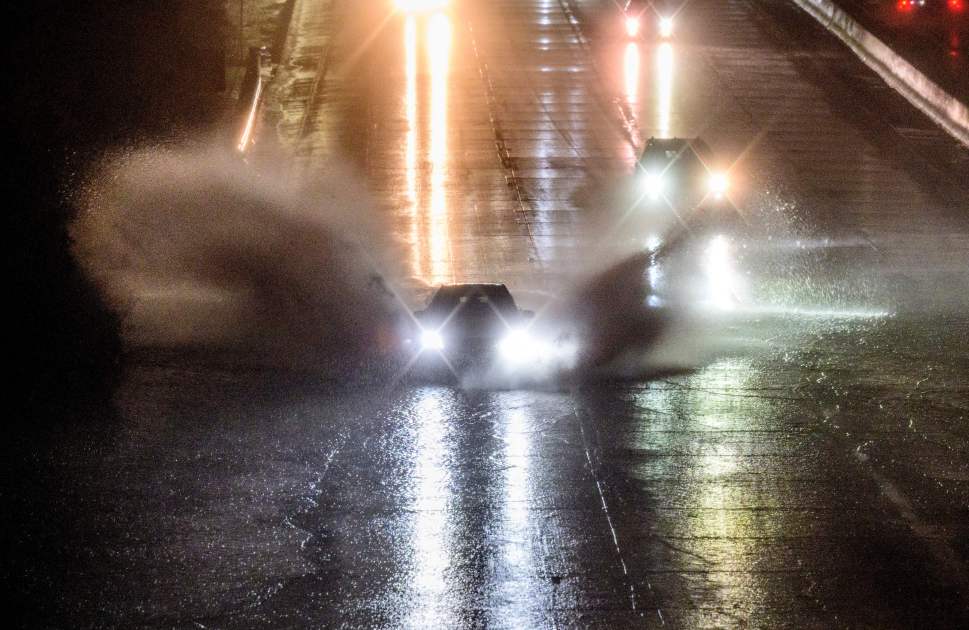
(901, 75)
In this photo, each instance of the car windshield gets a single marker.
(473, 300)
(681, 157)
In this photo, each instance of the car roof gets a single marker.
(668, 143)
(656, 146)
(496, 294)
(677, 144)
(466, 288)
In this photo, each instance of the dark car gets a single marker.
(682, 174)
(467, 326)
(639, 15)
(683, 186)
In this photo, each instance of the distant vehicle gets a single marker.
(421, 6)
(912, 5)
(684, 179)
(930, 6)
(469, 326)
(682, 174)
(637, 13)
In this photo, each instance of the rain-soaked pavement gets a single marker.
(809, 469)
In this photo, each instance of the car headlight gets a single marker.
(517, 347)
(717, 184)
(632, 26)
(432, 340)
(654, 185)
(666, 27)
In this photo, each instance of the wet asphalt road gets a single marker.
(809, 471)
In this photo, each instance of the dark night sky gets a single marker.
(80, 78)
(84, 77)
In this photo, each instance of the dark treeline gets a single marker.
(84, 77)
(80, 78)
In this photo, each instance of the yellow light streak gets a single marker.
(410, 148)
(438, 53)
(664, 88)
(631, 63)
(246, 136)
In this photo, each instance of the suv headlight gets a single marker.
(654, 185)
(717, 184)
(432, 340)
(517, 347)
(632, 25)
(666, 27)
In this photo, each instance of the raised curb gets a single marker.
(918, 89)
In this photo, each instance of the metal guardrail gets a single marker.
(918, 89)
(259, 71)
(261, 67)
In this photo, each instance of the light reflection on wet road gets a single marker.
(664, 88)
(430, 545)
(818, 478)
(427, 52)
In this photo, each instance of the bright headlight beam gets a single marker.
(632, 26)
(517, 347)
(723, 281)
(718, 183)
(666, 27)
(653, 185)
(432, 340)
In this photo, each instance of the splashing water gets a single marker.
(196, 250)
(200, 252)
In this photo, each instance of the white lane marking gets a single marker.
(940, 549)
(612, 528)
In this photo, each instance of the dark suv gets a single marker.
(681, 174)
(471, 325)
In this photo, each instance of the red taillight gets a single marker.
(906, 5)
(957, 6)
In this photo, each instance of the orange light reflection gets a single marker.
(410, 150)
(664, 88)
(426, 145)
(438, 52)
(631, 73)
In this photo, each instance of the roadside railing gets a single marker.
(259, 71)
(910, 82)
